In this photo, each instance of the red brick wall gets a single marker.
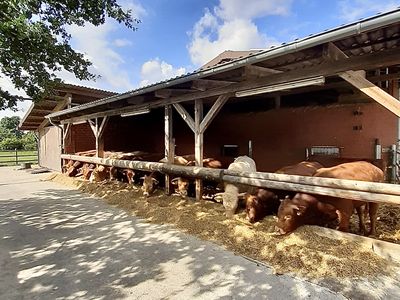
(80, 138)
(279, 136)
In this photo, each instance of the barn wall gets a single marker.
(281, 136)
(50, 148)
(80, 138)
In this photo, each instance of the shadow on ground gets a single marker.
(58, 243)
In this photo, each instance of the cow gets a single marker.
(124, 175)
(100, 173)
(294, 213)
(232, 192)
(150, 182)
(266, 201)
(86, 170)
(183, 186)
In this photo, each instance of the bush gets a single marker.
(29, 141)
(12, 143)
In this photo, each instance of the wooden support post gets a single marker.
(169, 145)
(185, 115)
(66, 129)
(198, 150)
(98, 130)
(371, 90)
(213, 112)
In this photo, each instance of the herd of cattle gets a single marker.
(292, 209)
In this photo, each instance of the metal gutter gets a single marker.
(334, 34)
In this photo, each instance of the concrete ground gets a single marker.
(57, 243)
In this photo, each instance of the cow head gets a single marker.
(181, 186)
(252, 208)
(149, 184)
(291, 215)
(99, 174)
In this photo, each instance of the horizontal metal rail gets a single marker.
(349, 189)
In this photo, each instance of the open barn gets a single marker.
(51, 142)
(332, 93)
(329, 98)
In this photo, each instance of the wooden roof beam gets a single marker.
(333, 53)
(258, 71)
(168, 93)
(327, 68)
(207, 84)
(373, 91)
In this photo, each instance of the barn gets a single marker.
(333, 93)
(50, 136)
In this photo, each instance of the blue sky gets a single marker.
(178, 36)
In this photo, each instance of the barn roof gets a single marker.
(368, 44)
(35, 116)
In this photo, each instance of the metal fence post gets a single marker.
(16, 156)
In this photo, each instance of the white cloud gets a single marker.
(230, 26)
(154, 70)
(101, 48)
(122, 42)
(138, 11)
(351, 10)
(96, 44)
(22, 106)
(235, 9)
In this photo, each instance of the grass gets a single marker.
(7, 158)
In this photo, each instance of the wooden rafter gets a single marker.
(251, 71)
(373, 91)
(212, 113)
(167, 93)
(327, 68)
(206, 84)
(185, 115)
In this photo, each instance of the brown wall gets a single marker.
(80, 138)
(279, 136)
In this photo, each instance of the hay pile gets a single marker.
(303, 252)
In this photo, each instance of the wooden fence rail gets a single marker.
(350, 189)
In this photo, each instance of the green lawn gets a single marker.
(7, 158)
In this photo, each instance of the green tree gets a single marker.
(9, 127)
(11, 143)
(29, 141)
(34, 42)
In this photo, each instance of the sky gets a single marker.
(178, 36)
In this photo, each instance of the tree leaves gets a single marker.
(34, 42)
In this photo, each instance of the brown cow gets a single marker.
(100, 173)
(293, 213)
(149, 183)
(182, 185)
(266, 201)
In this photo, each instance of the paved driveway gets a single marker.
(56, 243)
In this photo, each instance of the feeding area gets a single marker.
(305, 252)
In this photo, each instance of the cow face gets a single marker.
(99, 174)
(181, 186)
(290, 216)
(252, 208)
(149, 185)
